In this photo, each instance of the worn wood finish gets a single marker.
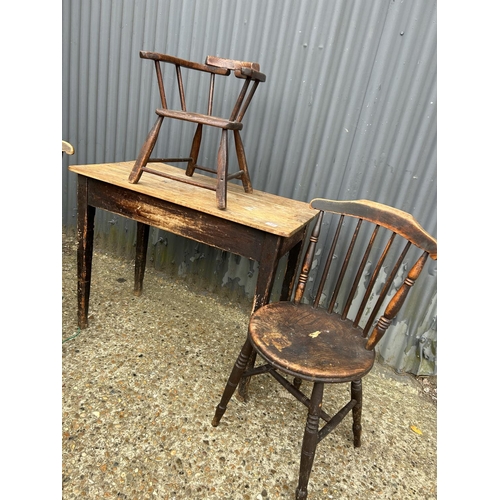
(323, 342)
(212, 121)
(177, 61)
(310, 343)
(250, 73)
(262, 227)
(310, 440)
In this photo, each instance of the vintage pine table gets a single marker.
(260, 226)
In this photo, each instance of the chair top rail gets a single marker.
(156, 56)
(397, 220)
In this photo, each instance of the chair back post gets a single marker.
(396, 302)
(308, 259)
(383, 293)
(161, 87)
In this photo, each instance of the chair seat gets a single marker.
(212, 121)
(309, 343)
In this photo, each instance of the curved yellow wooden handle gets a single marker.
(67, 148)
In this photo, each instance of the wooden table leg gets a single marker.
(290, 272)
(85, 235)
(268, 264)
(141, 249)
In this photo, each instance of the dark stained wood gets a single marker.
(195, 149)
(320, 342)
(85, 235)
(261, 226)
(310, 440)
(140, 256)
(360, 272)
(310, 343)
(357, 395)
(252, 77)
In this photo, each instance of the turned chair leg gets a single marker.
(232, 383)
(310, 440)
(242, 393)
(145, 153)
(357, 394)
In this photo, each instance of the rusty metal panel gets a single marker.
(348, 111)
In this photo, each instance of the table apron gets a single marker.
(202, 227)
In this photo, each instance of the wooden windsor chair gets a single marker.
(250, 73)
(331, 340)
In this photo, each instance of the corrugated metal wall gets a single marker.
(348, 111)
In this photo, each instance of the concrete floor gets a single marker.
(140, 386)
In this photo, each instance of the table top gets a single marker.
(264, 211)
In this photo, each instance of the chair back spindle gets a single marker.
(180, 85)
(329, 259)
(359, 269)
(373, 278)
(343, 270)
(161, 86)
(211, 91)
